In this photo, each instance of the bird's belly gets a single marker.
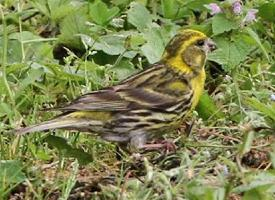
(142, 121)
(197, 85)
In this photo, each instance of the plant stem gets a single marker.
(4, 57)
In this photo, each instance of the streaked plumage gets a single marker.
(150, 102)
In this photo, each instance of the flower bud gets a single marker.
(214, 8)
(237, 7)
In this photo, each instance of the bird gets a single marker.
(145, 105)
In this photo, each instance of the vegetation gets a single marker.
(55, 50)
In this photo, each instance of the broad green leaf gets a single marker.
(100, 13)
(169, 8)
(154, 47)
(221, 24)
(114, 44)
(267, 11)
(23, 36)
(230, 53)
(71, 27)
(67, 150)
(11, 172)
(110, 44)
(34, 46)
(124, 69)
(139, 16)
(62, 8)
(136, 40)
(207, 108)
(14, 53)
(56, 9)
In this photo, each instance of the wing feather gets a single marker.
(103, 100)
(136, 91)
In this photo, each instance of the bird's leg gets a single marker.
(164, 145)
(138, 142)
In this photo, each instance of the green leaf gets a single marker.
(258, 41)
(35, 47)
(267, 12)
(154, 47)
(11, 172)
(207, 108)
(33, 75)
(257, 194)
(57, 71)
(70, 27)
(230, 53)
(114, 44)
(56, 9)
(62, 8)
(247, 142)
(221, 24)
(6, 109)
(136, 40)
(260, 181)
(262, 107)
(100, 13)
(67, 150)
(169, 8)
(14, 53)
(139, 16)
(124, 69)
(23, 36)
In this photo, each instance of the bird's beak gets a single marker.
(209, 45)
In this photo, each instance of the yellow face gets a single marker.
(187, 51)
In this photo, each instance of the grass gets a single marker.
(53, 51)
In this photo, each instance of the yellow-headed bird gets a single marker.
(146, 104)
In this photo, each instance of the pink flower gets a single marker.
(250, 16)
(237, 7)
(214, 8)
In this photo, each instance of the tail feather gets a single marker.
(54, 124)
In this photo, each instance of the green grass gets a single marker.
(53, 51)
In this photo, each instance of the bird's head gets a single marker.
(187, 50)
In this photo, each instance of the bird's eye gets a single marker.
(200, 43)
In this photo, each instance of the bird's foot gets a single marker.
(165, 146)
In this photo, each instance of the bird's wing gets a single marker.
(122, 99)
(119, 97)
(147, 98)
(102, 100)
(138, 91)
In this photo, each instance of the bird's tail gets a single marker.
(58, 123)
